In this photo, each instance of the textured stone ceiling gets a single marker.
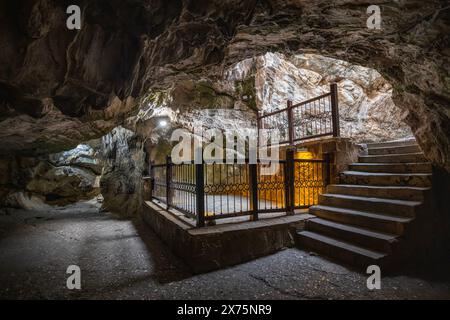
(61, 87)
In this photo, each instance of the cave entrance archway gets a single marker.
(366, 109)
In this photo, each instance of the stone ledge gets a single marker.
(215, 247)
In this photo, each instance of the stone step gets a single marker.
(367, 238)
(421, 167)
(422, 180)
(378, 222)
(386, 192)
(394, 150)
(397, 143)
(340, 250)
(393, 158)
(376, 205)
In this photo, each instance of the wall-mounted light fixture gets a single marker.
(162, 123)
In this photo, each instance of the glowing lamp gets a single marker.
(163, 123)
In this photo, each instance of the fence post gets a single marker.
(327, 173)
(290, 122)
(335, 109)
(253, 177)
(168, 181)
(152, 179)
(289, 181)
(258, 127)
(200, 192)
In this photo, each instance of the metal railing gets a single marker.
(313, 118)
(211, 191)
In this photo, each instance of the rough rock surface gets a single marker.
(83, 156)
(265, 83)
(66, 177)
(63, 184)
(15, 172)
(25, 200)
(121, 181)
(366, 109)
(62, 87)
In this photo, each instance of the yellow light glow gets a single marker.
(306, 172)
(303, 171)
(303, 155)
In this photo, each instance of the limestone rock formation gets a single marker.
(57, 179)
(366, 109)
(265, 83)
(25, 200)
(121, 181)
(62, 185)
(83, 156)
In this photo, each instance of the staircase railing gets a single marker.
(313, 118)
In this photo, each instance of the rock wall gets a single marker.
(111, 166)
(265, 83)
(83, 156)
(60, 87)
(367, 112)
(15, 172)
(63, 184)
(121, 182)
(58, 179)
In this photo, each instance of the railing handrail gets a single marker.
(312, 100)
(265, 115)
(289, 110)
(271, 113)
(247, 161)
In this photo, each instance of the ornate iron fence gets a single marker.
(310, 180)
(227, 190)
(211, 191)
(183, 188)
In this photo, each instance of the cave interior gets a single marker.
(86, 112)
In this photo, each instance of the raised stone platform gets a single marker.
(215, 247)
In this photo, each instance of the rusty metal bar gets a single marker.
(311, 100)
(200, 194)
(327, 169)
(253, 181)
(290, 122)
(168, 180)
(289, 181)
(335, 109)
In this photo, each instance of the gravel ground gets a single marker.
(121, 259)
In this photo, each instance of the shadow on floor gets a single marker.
(434, 268)
(168, 267)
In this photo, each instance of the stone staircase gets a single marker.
(362, 220)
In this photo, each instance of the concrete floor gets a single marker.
(120, 259)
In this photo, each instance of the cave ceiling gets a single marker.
(59, 87)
